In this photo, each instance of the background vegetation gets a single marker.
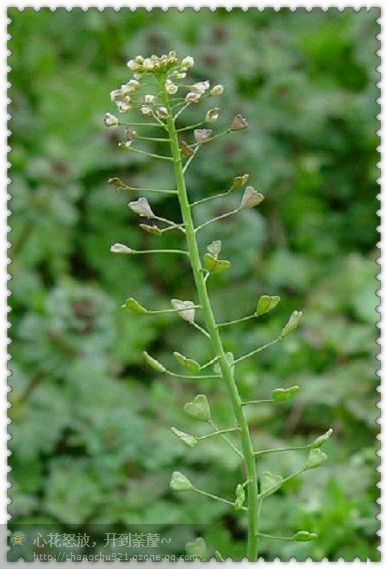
(91, 440)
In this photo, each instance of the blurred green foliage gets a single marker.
(91, 439)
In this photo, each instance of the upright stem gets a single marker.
(214, 335)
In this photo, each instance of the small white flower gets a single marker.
(217, 90)
(192, 97)
(171, 88)
(121, 248)
(133, 84)
(179, 75)
(149, 99)
(110, 120)
(148, 64)
(145, 110)
(116, 95)
(202, 134)
(123, 107)
(139, 59)
(201, 87)
(132, 65)
(162, 112)
(188, 61)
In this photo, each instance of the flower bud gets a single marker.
(198, 408)
(215, 248)
(185, 309)
(132, 305)
(188, 363)
(198, 549)
(145, 110)
(217, 90)
(121, 249)
(186, 439)
(152, 362)
(188, 61)
(281, 394)
(269, 483)
(123, 106)
(148, 64)
(304, 536)
(202, 134)
(192, 97)
(171, 88)
(240, 497)
(200, 87)
(266, 303)
(152, 229)
(315, 458)
(251, 198)
(110, 120)
(179, 482)
(212, 114)
(239, 123)
(149, 99)
(162, 112)
(319, 441)
(132, 65)
(142, 208)
(133, 84)
(238, 182)
(292, 324)
(130, 134)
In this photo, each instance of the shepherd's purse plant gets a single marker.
(160, 92)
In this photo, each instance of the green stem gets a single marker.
(220, 432)
(287, 449)
(215, 338)
(237, 320)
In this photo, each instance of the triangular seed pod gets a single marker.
(238, 182)
(121, 249)
(152, 229)
(152, 362)
(214, 265)
(269, 482)
(315, 458)
(240, 497)
(214, 248)
(142, 208)
(292, 324)
(266, 303)
(179, 482)
(251, 198)
(281, 394)
(239, 123)
(132, 305)
(319, 441)
(185, 309)
(188, 363)
(198, 548)
(304, 536)
(198, 408)
(186, 439)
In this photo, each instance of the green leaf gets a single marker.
(198, 548)
(240, 497)
(132, 305)
(269, 482)
(281, 394)
(179, 482)
(187, 439)
(152, 362)
(188, 363)
(198, 408)
(214, 265)
(315, 458)
(266, 303)
(304, 536)
(292, 324)
(319, 441)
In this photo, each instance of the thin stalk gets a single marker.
(186, 376)
(174, 251)
(200, 329)
(213, 496)
(237, 321)
(164, 311)
(218, 218)
(209, 198)
(256, 401)
(274, 536)
(215, 338)
(190, 127)
(220, 432)
(150, 154)
(249, 354)
(228, 442)
(285, 449)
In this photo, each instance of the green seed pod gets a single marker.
(319, 441)
(266, 303)
(179, 482)
(187, 439)
(304, 536)
(214, 248)
(281, 394)
(121, 249)
(118, 183)
(269, 482)
(214, 265)
(198, 408)
(185, 309)
(315, 458)
(152, 362)
(142, 208)
(198, 548)
(188, 363)
(132, 305)
(152, 229)
(292, 324)
(240, 497)
(238, 182)
(218, 556)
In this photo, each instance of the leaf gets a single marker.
(269, 483)
(266, 303)
(132, 305)
(281, 394)
(198, 548)
(179, 482)
(198, 408)
(185, 308)
(214, 265)
(188, 363)
(186, 438)
(152, 362)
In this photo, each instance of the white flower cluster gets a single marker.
(170, 70)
